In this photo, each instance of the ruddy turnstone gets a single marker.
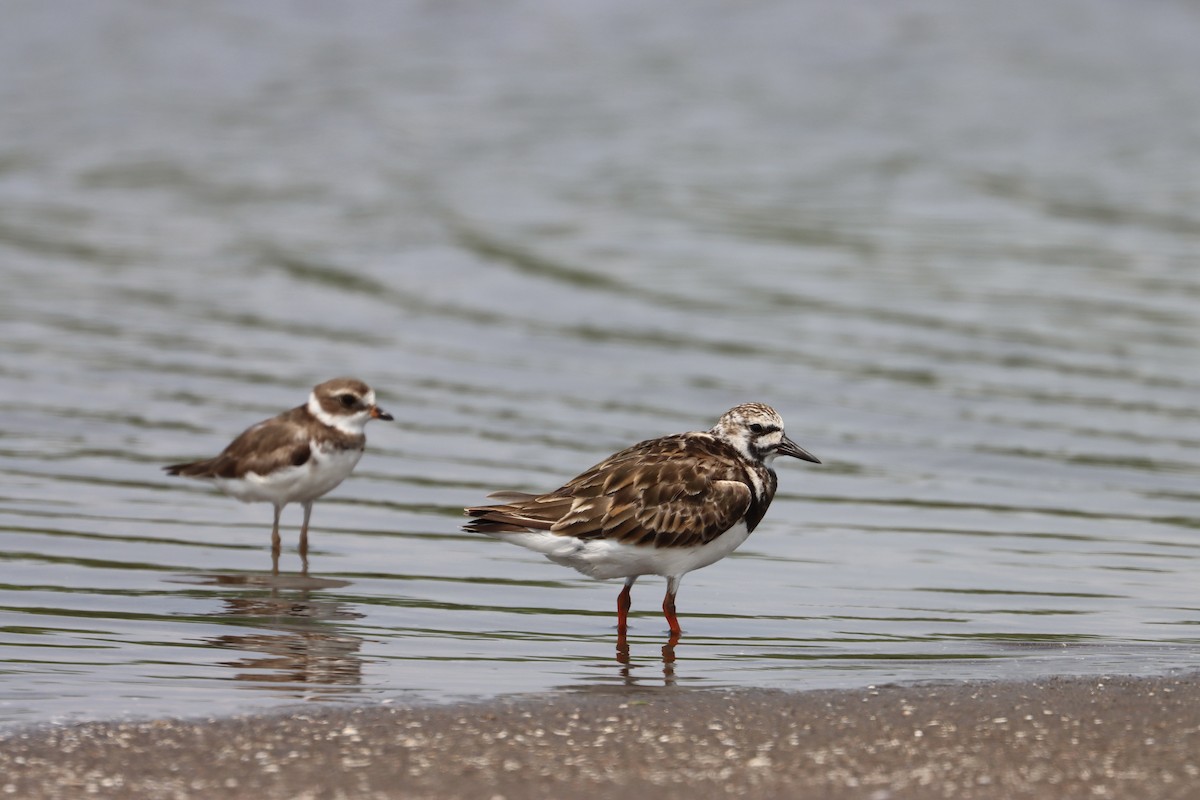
(297, 456)
(664, 506)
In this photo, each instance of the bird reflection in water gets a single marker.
(627, 666)
(301, 649)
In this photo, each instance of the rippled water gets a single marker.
(955, 247)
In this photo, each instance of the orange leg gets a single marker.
(624, 601)
(669, 606)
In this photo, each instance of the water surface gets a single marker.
(955, 247)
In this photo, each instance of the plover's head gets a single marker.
(756, 430)
(346, 404)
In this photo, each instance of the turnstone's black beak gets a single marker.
(789, 448)
(379, 413)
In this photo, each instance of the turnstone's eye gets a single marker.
(348, 400)
(756, 428)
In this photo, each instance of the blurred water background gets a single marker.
(954, 244)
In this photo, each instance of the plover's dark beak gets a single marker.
(789, 448)
(379, 413)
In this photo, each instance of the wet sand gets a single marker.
(1059, 738)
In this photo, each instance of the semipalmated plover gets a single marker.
(664, 506)
(295, 457)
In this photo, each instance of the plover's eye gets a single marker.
(348, 400)
(756, 428)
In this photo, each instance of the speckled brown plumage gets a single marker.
(664, 506)
(675, 491)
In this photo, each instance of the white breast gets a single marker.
(328, 468)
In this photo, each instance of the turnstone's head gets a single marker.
(756, 430)
(346, 404)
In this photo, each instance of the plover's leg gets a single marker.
(669, 604)
(623, 603)
(275, 542)
(304, 536)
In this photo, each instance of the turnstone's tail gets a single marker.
(521, 512)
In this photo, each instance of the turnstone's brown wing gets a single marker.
(677, 491)
(262, 449)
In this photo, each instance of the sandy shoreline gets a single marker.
(1059, 738)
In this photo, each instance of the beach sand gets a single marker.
(1110, 737)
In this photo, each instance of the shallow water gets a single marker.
(955, 247)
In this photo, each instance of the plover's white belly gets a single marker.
(324, 470)
(605, 558)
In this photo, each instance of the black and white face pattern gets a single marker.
(345, 404)
(756, 431)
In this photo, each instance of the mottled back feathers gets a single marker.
(675, 491)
